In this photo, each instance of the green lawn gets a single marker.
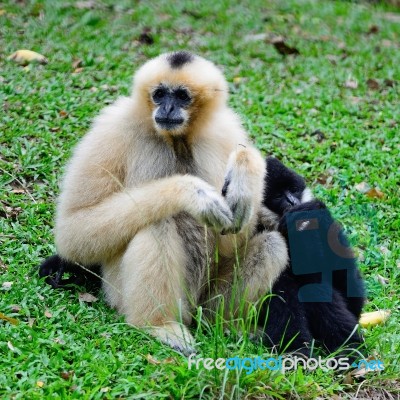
(66, 348)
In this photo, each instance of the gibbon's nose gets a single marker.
(292, 200)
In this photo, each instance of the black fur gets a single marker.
(54, 268)
(291, 324)
(179, 58)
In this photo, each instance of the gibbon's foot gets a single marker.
(175, 335)
(210, 207)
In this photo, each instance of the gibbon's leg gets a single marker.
(155, 289)
(332, 324)
(262, 261)
(283, 318)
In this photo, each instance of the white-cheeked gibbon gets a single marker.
(164, 180)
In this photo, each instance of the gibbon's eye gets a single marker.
(182, 94)
(159, 94)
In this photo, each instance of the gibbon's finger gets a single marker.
(218, 217)
(242, 211)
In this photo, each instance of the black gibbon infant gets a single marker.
(291, 323)
(141, 197)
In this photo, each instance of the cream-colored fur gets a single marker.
(126, 204)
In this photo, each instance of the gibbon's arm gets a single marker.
(96, 233)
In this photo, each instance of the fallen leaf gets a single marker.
(382, 280)
(39, 384)
(319, 135)
(282, 48)
(392, 17)
(389, 82)
(146, 37)
(78, 70)
(48, 314)
(10, 212)
(373, 84)
(362, 187)
(11, 320)
(386, 43)
(3, 267)
(375, 193)
(333, 59)
(59, 341)
(10, 346)
(374, 318)
(104, 389)
(77, 63)
(87, 298)
(359, 373)
(24, 57)
(15, 308)
(7, 285)
(86, 5)
(351, 84)
(384, 250)
(2, 12)
(355, 99)
(348, 379)
(151, 360)
(67, 374)
(18, 190)
(255, 37)
(373, 29)
(31, 322)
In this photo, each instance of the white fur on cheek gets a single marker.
(307, 195)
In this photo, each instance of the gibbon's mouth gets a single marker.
(169, 124)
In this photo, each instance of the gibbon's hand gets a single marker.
(206, 205)
(243, 185)
(239, 199)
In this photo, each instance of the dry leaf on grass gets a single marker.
(67, 374)
(373, 84)
(282, 48)
(146, 37)
(7, 285)
(25, 57)
(11, 320)
(382, 280)
(351, 84)
(154, 361)
(374, 318)
(373, 29)
(362, 187)
(48, 314)
(87, 298)
(374, 193)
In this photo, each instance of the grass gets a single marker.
(64, 348)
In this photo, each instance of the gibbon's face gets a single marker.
(285, 188)
(171, 105)
(178, 90)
